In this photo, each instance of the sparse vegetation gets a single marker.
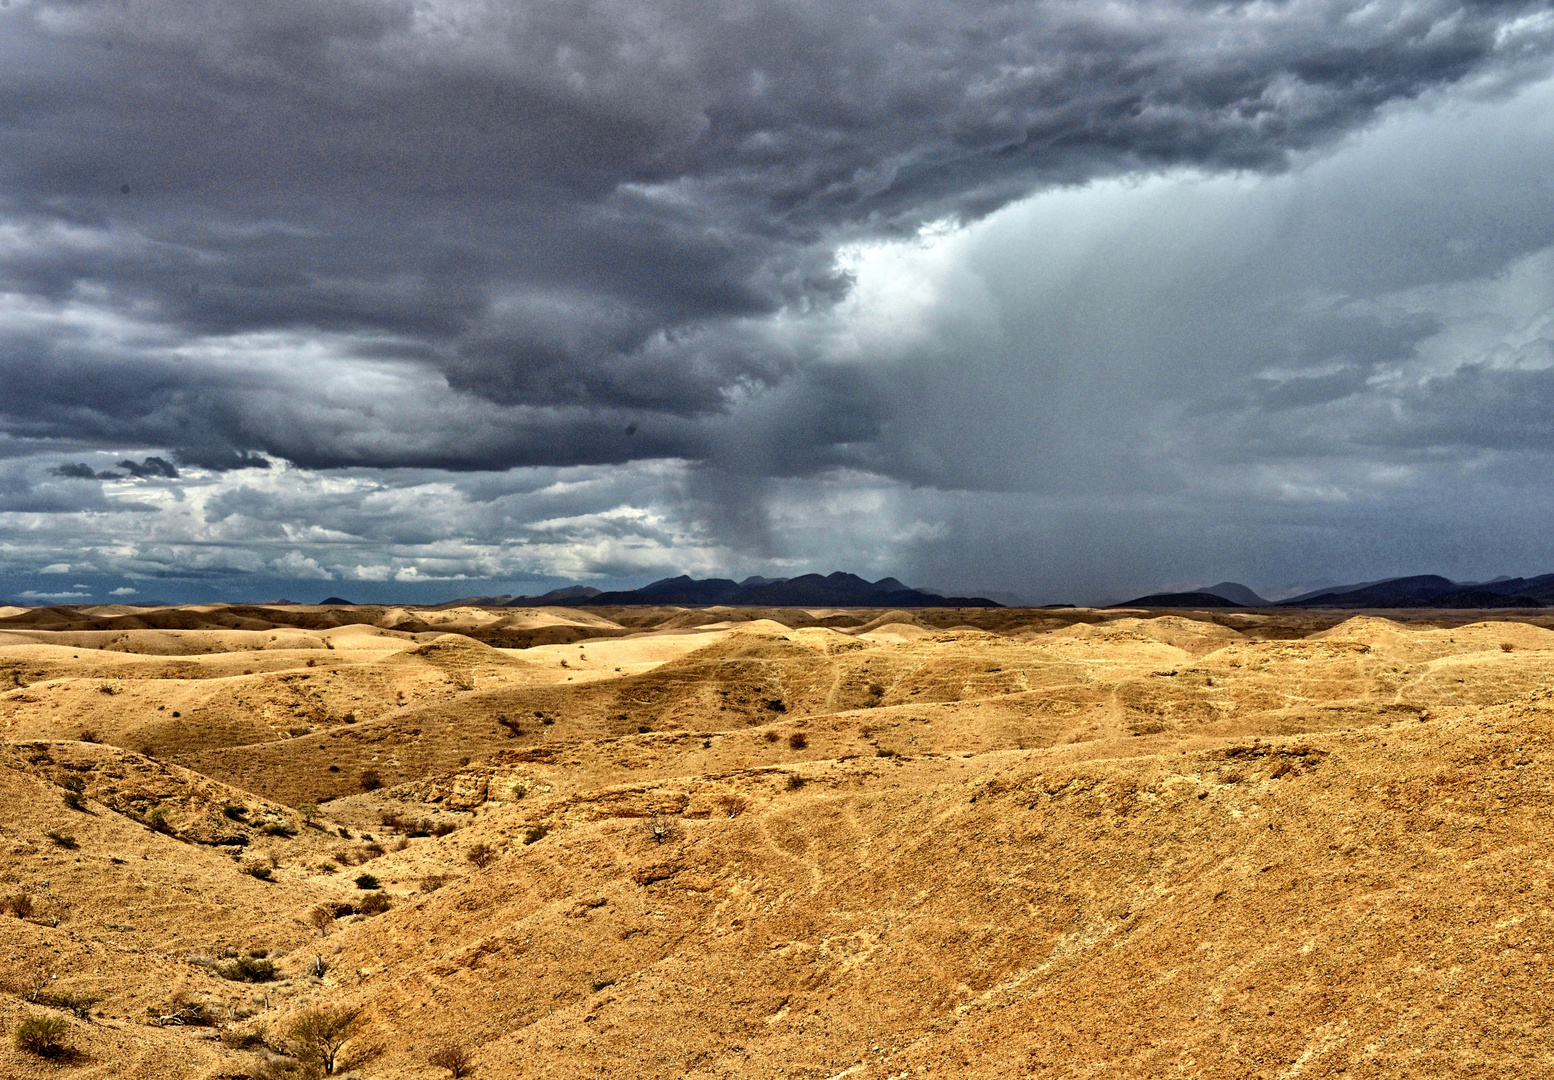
(433, 882)
(375, 903)
(798, 740)
(481, 855)
(248, 968)
(731, 804)
(795, 781)
(455, 1059)
(42, 1036)
(62, 839)
(370, 780)
(367, 881)
(157, 821)
(280, 828)
(535, 833)
(661, 828)
(259, 870)
(308, 811)
(234, 812)
(17, 904)
(602, 984)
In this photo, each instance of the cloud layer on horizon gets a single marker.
(917, 288)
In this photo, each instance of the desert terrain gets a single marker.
(762, 843)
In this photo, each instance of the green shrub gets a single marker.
(482, 855)
(367, 881)
(256, 870)
(62, 839)
(42, 1036)
(534, 833)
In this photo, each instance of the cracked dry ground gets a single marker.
(670, 843)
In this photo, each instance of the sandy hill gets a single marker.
(776, 843)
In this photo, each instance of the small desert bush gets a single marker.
(309, 811)
(234, 811)
(279, 828)
(370, 780)
(795, 781)
(156, 821)
(455, 1059)
(884, 751)
(375, 904)
(798, 740)
(367, 881)
(258, 870)
(254, 969)
(79, 1004)
(1506, 646)
(770, 736)
(732, 805)
(73, 800)
(443, 828)
(535, 833)
(660, 828)
(481, 856)
(62, 839)
(42, 1036)
(433, 882)
(776, 705)
(18, 904)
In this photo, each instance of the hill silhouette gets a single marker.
(811, 590)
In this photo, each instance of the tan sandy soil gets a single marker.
(786, 843)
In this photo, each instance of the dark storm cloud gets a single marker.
(569, 217)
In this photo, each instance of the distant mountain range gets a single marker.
(1420, 591)
(810, 590)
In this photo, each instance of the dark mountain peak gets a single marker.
(1179, 600)
(1236, 593)
(335, 601)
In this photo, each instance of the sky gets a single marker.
(1053, 302)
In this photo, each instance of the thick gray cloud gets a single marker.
(576, 212)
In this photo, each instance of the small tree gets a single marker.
(455, 1059)
(481, 855)
(319, 1036)
(309, 811)
(322, 919)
